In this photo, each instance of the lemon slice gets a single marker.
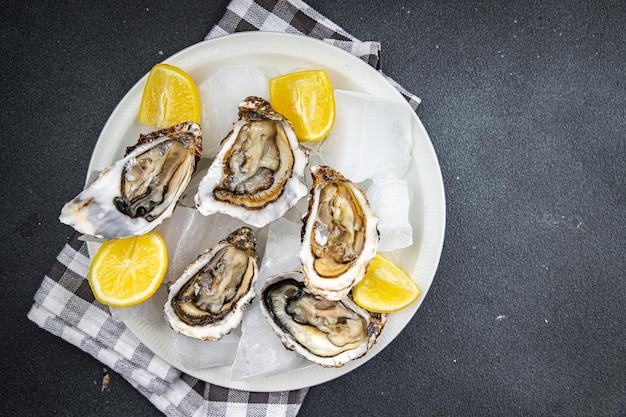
(127, 271)
(307, 100)
(385, 288)
(169, 97)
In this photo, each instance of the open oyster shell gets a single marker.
(209, 298)
(139, 191)
(329, 333)
(258, 173)
(339, 235)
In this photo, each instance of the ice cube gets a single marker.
(150, 310)
(371, 137)
(184, 235)
(220, 96)
(341, 148)
(187, 234)
(314, 158)
(296, 212)
(281, 248)
(224, 225)
(391, 200)
(196, 354)
(260, 351)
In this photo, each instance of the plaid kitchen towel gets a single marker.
(65, 306)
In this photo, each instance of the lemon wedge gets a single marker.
(124, 272)
(307, 100)
(385, 288)
(169, 97)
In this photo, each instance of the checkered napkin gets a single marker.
(65, 306)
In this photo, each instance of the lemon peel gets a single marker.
(170, 96)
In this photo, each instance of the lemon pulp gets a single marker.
(128, 271)
(307, 100)
(170, 96)
(385, 288)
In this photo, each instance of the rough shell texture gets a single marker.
(339, 235)
(258, 173)
(210, 297)
(329, 333)
(139, 191)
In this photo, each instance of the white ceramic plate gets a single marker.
(346, 72)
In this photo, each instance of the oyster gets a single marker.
(209, 298)
(329, 333)
(339, 235)
(139, 191)
(258, 173)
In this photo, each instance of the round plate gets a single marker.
(346, 72)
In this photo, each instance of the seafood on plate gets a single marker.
(139, 191)
(258, 173)
(329, 333)
(339, 234)
(209, 298)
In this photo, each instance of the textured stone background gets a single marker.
(525, 106)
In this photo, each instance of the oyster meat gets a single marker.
(139, 191)
(339, 235)
(258, 173)
(209, 298)
(329, 333)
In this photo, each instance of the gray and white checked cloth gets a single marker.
(65, 306)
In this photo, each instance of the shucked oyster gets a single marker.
(139, 191)
(258, 173)
(329, 333)
(339, 235)
(209, 298)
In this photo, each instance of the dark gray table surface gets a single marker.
(525, 105)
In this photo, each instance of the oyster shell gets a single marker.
(258, 173)
(139, 191)
(209, 298)
(329, 333)
(339, 235)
